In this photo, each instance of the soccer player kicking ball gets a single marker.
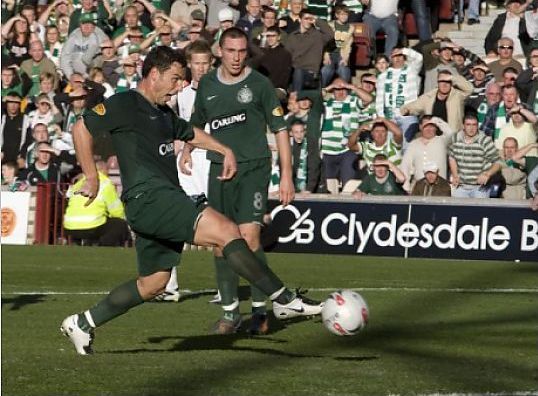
(143, 130)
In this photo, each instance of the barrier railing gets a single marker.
(50, 207)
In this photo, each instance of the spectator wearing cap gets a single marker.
(527, 82)
(505, 48)
(398, 85)
(513, 170)
(214, 17)
(432, 184)
(306, 46)
(100, 12)
(129, 78)
(520, 127)
(510, 25)
(251, 19)
(37, 64)
(273, 60)
(464, 60)
(14, 128)
(445, 102)
(226, 19)
(83, 42)
(383, 15)
(473, 160)
(45, 113)
(182, 11)
(430, 146)
(443, 61)
(480, 77)
(43, 169)
(385, 179)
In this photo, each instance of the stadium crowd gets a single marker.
(433, 119)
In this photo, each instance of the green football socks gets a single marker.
(259, 297)
(227, 282)
(116, 303)
(243, 261)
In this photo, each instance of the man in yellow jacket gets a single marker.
(103, 221)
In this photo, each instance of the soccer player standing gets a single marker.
(143, 130)
(239, 104)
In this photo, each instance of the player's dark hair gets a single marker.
(160, 57)
(198, 47)
(232, 33)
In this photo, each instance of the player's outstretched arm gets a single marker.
(84, 149)
(206, 141)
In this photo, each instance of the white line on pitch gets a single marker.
(324, 289)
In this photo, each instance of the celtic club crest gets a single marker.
(244, 95)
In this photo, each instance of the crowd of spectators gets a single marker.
(433, 119)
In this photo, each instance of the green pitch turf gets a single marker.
(437, 326)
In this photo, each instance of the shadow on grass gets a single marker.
(464, 355)
(21, 301)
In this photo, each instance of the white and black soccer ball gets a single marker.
(345, 313)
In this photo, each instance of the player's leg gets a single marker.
(259, 321)
(215, 229)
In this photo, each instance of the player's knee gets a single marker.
(253, 241)
(228, 231)
(153, 285)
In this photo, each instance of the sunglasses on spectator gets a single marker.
(444, 81)
(78, 82)
(13, 101)
(165, 34)
(73, 98)
(44, 103)
(508, 47)
(368, 82)
(271, 35)
(136, 36)
(104, 48)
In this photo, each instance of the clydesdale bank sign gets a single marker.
(404, 230)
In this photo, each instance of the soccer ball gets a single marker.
(345, 313)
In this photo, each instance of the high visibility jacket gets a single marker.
(106, 204)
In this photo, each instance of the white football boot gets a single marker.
(80, 339)
(299, 306)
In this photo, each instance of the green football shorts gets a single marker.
(163, 219)
(244, 198)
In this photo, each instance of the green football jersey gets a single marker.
(238, 114)
(370, 185)
(143, 137)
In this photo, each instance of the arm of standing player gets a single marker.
(84, 149)
(185, 159)
(206, 141)
(286, 189)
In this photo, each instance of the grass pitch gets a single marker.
(436, 326)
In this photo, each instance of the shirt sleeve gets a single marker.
(105, 117)
(199, 116)
(182, 129)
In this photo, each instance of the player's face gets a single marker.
(199, 65)
(166, 84)
(234, 53)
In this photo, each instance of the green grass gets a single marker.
(424, 336)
